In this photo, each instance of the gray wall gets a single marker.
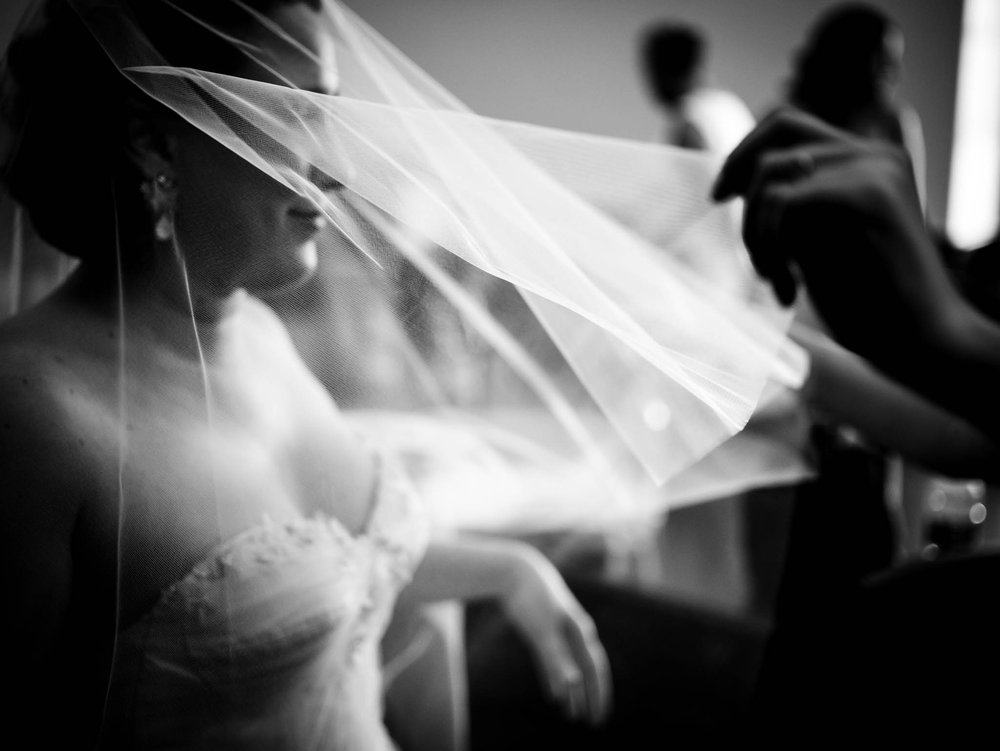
(572, 63)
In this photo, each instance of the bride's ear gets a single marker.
(150, 144)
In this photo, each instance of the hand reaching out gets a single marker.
(562, 637)
(842, 213)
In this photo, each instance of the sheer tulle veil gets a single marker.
(563, 313)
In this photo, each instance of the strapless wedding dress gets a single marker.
(272, 641)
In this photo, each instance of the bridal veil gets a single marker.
(555, 330)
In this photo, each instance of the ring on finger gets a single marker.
(804, 162)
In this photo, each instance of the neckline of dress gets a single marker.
(365, 531)
(319, 518)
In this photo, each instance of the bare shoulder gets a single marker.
(46, 469)
(47, 437)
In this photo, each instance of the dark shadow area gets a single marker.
(680, 672)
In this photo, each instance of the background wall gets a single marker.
(573, 63)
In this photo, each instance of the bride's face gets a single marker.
(237, 227)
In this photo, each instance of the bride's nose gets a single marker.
(324, 182)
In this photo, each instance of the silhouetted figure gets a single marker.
(697, 116)
(906, 653)
(847, 73)
(843, 525)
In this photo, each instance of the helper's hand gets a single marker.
(838, 211)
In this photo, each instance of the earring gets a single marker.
(161, 195)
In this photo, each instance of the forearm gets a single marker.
(468, 568)
(904, 315)
(847, 389)
(959, 367)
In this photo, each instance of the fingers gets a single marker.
(784, 129)
(595, 667)
(577, 670)
(565, 680)
(575, 698)
(767, 199)
(783, 183)
(571, 684)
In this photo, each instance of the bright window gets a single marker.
(974, 191)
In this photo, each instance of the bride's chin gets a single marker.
(293, 271)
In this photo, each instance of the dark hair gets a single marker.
(671, 54)
(833, 76)
(66, 108)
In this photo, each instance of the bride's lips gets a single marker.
(309, 220)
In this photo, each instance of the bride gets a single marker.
(199, 548)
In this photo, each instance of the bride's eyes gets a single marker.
(304, 109)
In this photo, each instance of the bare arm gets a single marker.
(532, 593)
(37, 516)
(848, 389)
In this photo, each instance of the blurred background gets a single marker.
(574, 63)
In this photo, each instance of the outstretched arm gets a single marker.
(848, 389)
(532, 593)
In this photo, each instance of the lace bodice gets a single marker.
(272, 641)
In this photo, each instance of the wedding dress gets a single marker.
(272, 640)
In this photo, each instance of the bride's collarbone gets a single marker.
(256, 453)
(260, 426)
